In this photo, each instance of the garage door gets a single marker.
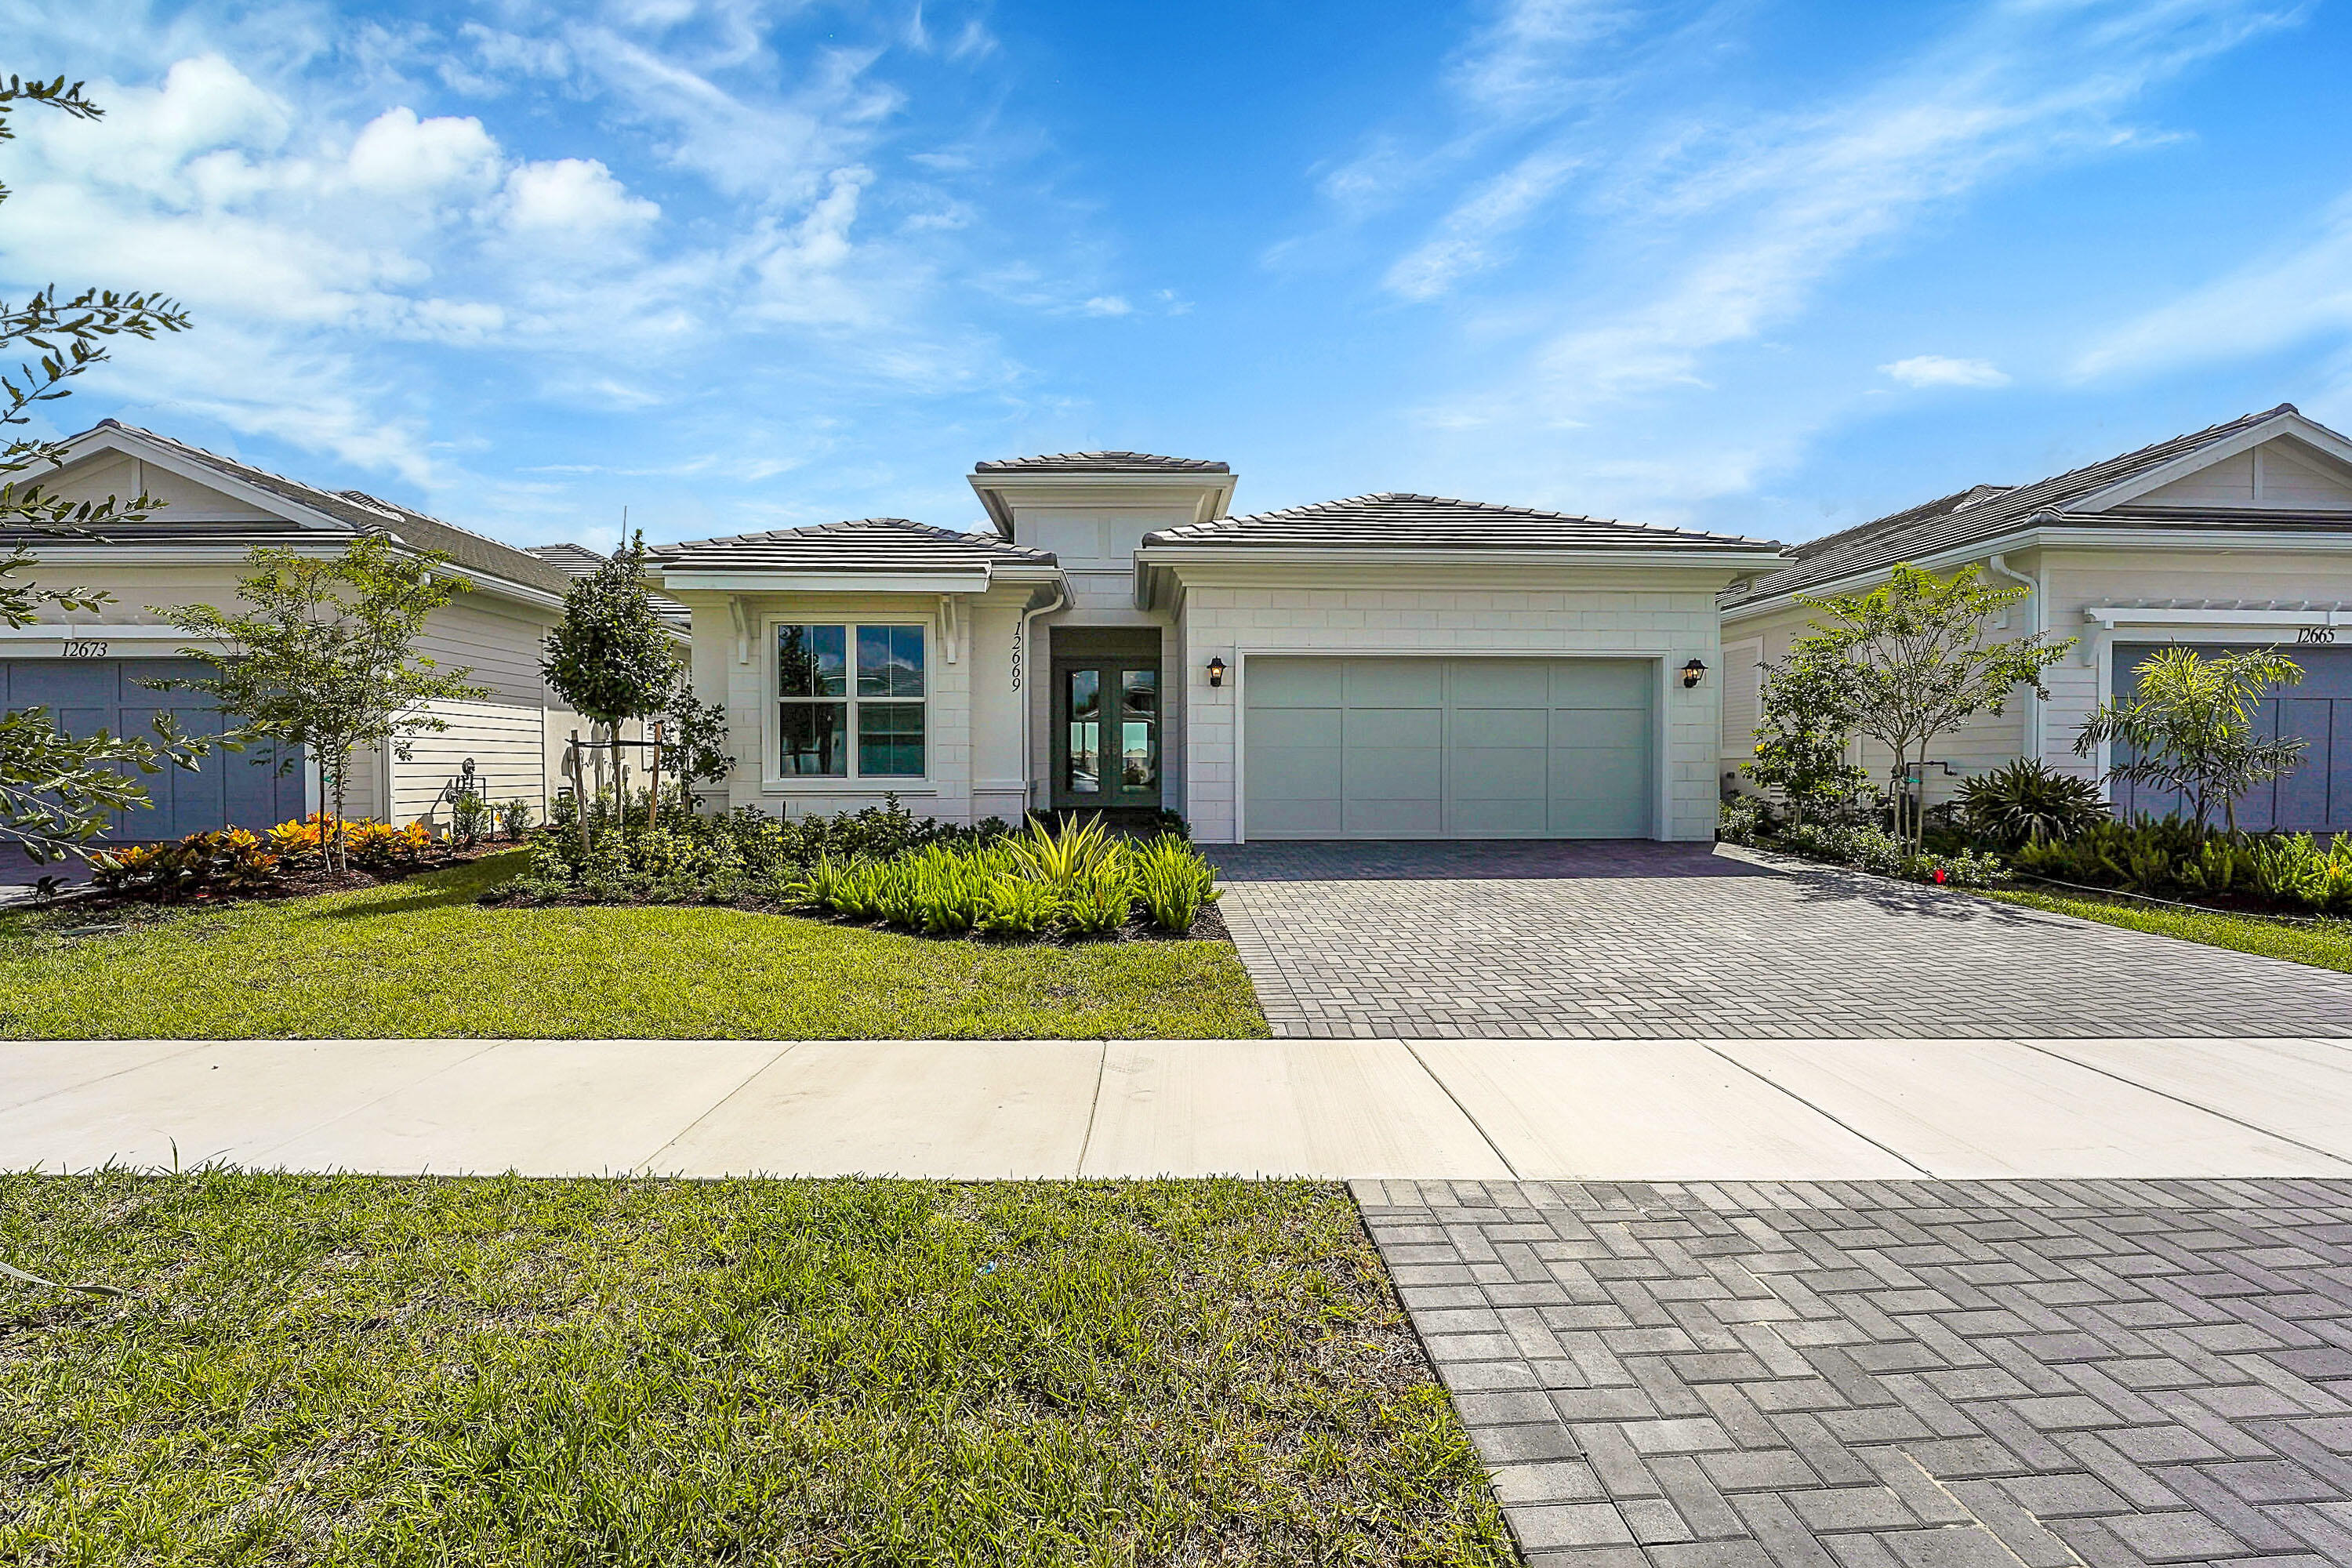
(1447, 748)
(231, 789)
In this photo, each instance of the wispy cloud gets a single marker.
(2302, 291)
(1936, 370)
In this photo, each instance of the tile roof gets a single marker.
(1988, 511)
(360, 511)
(863, 544)
(577, 560)
(1100, 463)
(1393, 520)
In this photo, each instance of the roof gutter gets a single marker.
(1732, 558)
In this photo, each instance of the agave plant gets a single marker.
(1173, 882)
(1016, 905)
(2029, 802)
(1062, 856)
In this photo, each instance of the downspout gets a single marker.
(1028, 669)
(2033, 627)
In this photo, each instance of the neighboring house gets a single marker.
(2237, 536)
(87, 667)
(1383, 667)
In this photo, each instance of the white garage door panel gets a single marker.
(1438, 748)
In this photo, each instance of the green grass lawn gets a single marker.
(421, 958)
(317, 1369)
(2327, 945)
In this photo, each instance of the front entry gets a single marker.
(1106, 735)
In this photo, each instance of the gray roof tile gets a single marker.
(360, 511)
(1100, 463)
(863, 545)
(1393, 520)
(1988, 511)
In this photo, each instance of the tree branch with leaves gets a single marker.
(58, 791)
(1925, 663)
(324, 657)
(2189, 728)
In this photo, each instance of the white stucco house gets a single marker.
(87, 666)
(1381, 667)
(2236, 536)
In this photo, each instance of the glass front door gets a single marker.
(1106, 735)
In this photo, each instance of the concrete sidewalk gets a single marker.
(1501, 1110)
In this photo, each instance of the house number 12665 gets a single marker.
(2315, 635)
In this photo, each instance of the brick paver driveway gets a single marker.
(1930, 1374)
(1643, 940)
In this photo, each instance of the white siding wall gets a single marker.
(1663, 614)
(1984, 742)
(972, 713)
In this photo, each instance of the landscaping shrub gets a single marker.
(2170, 857)
(880, 864)
(1173, 883)
(514, 819)
(236, 860)
(2028, 802)
(469, 817)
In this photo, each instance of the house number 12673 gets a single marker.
(78, 647)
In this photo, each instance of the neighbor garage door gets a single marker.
(1447, 748)
(2317, 796)
(231, 789)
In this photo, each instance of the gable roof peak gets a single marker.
(1407, 520)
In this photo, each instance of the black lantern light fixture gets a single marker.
(1216, 672)
(1693, 673)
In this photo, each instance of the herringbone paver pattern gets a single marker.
(1664, 941)
(1929, 1374)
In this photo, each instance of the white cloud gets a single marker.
(1107, 305)
(1468, 237)
(2282, 299)
(398, 154)
(1935, 370)
(574, 197)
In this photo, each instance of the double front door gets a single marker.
(1105, 733)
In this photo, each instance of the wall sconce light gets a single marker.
(1693, 673)
(1216, 672)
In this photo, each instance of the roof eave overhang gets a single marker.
(1152, 560)
(762, 581)
(2187, 536)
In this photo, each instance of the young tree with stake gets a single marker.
(1926, 663)
(324, 658)
(611, 657)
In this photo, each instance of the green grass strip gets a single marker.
(421, 958)
(503, 1371)
(2325, 944)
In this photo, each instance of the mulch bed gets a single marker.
(302, 883)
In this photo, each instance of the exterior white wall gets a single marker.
(972, 708)
(2206, 579)
(1232, 611)
(1986, 742)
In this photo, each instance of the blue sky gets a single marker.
(1767, 268)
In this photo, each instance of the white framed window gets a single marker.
(850, 701)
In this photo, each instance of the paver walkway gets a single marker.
(1645, 941)
(1894, 1375)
